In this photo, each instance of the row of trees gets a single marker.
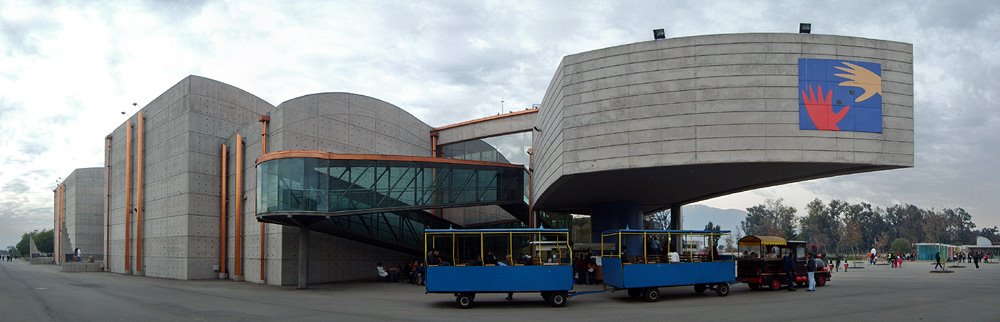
(839, 226)
(43, 240)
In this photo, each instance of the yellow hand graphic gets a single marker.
(862, 78)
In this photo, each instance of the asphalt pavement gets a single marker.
(877, 293)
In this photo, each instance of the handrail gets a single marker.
(561, 237)
(709, 239)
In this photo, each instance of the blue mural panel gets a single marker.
(840, 95)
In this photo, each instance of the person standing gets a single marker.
(789, 267)
(811, 272)
(654, 246)
(591, 271)
(975, 259)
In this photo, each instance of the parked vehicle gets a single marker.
(643, 270)
(761, 265)
(466, 262)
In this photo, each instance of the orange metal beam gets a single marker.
(55, 224)
(223, 230)
(434, 144)
(484, 119)
(290, 154)
(62, 217)
(238, 203)
(61, 199)
(62, 222)
(107, 202)
(128, 196)
(264, 120)
(139, 222)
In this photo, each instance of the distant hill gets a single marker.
(697, 216)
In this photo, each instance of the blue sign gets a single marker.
(840, 95)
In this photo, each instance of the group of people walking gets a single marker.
(975, 257)
(972, 257)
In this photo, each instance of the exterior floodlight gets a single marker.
(805, 28)
(659, 34)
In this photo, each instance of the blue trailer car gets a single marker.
(661, 258)
(464, 262)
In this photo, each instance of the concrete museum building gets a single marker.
(209, 181)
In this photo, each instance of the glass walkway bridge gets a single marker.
(385, 200)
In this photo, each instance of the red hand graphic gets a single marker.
(820, 109)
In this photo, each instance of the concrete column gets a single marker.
(676, 223)
(617, 215)
(303, 257)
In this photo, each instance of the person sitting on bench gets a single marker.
(382, 274)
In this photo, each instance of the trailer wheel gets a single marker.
(557, 299)
(634, 292)
(722, 289)
(700, 288)
(820, 280)
(775, 284)
(651, 295)
(465, 300)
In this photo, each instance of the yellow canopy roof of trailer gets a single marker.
(762, 241)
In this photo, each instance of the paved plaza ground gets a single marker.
(878, 293)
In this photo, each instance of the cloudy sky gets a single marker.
(68, 70)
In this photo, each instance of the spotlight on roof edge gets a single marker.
(659, 34)
(805, 28)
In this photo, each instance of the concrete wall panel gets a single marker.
(716, 99)
(184, 128)
(83, 225)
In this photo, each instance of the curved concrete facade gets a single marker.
(347, 123)
(333, 122)
(680, 120)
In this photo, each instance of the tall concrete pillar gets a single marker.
(617, 215)
(676, 223)
(303, 257)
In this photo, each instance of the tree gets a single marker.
(43, 240)
(990, 233)
(959, 226)
(882, 241)
(771, 218)
(821, 226)
(934, 228)
(908, 221)
(900, 245)
(871, 222)
(851, 236)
